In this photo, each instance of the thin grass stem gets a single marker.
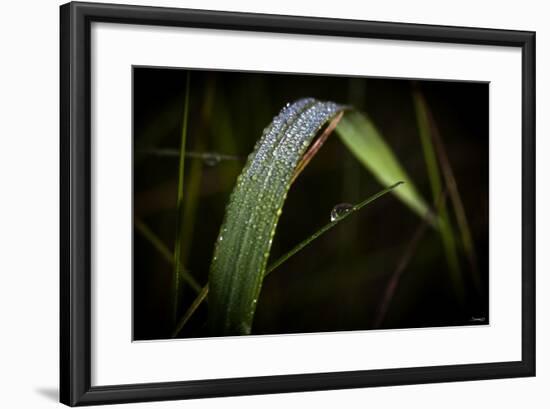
(178, 267)
(175, 153)
(329, 226)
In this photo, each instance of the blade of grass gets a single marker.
(450, 182)
(164, 251)
(195, 175)
(178, 267)
(365, 142)
(190, 205)
(244, 241)
(445, 227)
(204, 292)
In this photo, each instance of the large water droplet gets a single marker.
(211, 159)
(339, 210)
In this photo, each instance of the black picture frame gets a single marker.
(75, 203)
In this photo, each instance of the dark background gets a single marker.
(338, 282)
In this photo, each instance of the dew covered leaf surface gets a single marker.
(244, 241)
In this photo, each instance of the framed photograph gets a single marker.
(259, 204)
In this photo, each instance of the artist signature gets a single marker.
(477, 319)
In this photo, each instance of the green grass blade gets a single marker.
(445, 228)
(366, 143)
(190, 206)
(194, 179)
(243, 245)
(178, 265)
(204, 292)
(451, 185)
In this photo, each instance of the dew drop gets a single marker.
(339, 210)
(211, 159)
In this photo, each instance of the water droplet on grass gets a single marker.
(339, 210)
(211, 159)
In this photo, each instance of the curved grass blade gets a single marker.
(244, 241)
(204, 292)
(366, 143)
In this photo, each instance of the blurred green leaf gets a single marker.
(366, 143)
(446, 230)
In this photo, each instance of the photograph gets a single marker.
(271, 203)
(257, 203)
